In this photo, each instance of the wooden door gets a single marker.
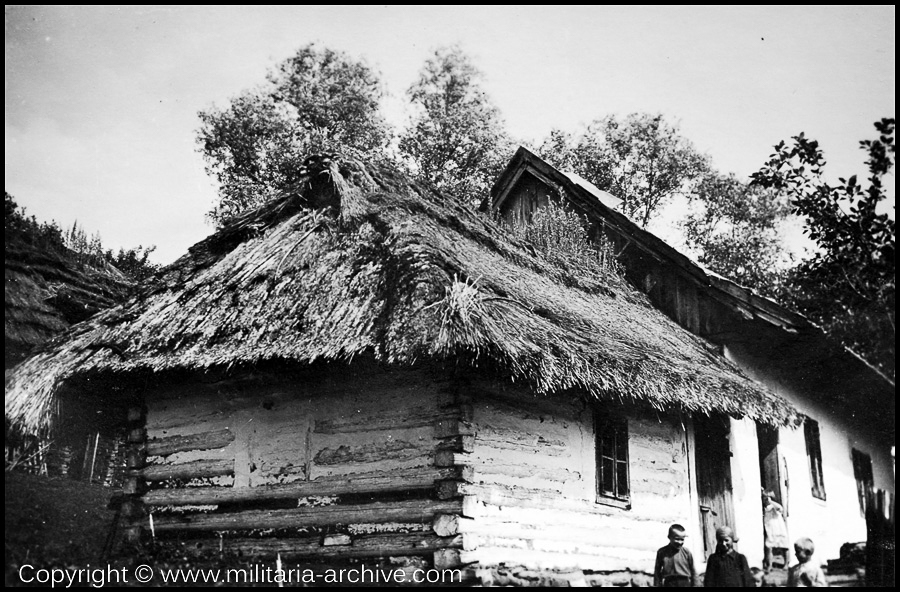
(865, 481)
(769, 461)
(713, 462)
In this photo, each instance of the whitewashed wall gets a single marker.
(533, 500)
(829, 523)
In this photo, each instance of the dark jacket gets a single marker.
(728, 570)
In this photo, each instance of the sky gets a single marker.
(102, 102)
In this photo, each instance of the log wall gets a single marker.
(533, 503)
(335, 465)
(372, 464)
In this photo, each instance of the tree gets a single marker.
(318, 100)
(641, 159)
(40, 234)
(644, 160)
(848, 286)
(73, 245)
(734, 226)
(457, 140)
(134, 263)
(586, 154)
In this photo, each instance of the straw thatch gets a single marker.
(47, 290)
(710, 305)
(359, 260)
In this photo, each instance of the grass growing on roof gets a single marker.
(561, 235)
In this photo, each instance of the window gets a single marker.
(611, 446)
(814, 453)
(862, 472)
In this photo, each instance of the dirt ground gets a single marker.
(53, 522)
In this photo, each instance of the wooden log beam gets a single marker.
(132, 510)
(448, 559)
(189, 470)
(457, 443)
(445, 524)
(375, 545)
(306, 516)
(374, 482)
(137, 435)
(507, 439)
(398, 450)
(392, 420)
(336, 540)
(449, 458)
(449, 488)
(411, 418)
(453, 426)
(554, 477)
(487, 497)
(135, 457)
(202, 441)
(412, 541)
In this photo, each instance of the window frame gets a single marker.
(611, 432)
(813, 437)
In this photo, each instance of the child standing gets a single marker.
(805, 574)
(776, 543)
(674, 562)
(726, 567)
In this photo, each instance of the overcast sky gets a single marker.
(102, 102)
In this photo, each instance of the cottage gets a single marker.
(822, 472)
(363, 370)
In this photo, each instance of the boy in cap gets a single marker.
(674, 562)
(726, 567)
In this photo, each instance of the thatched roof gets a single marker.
(47, 290)
(808, 360)
(359, 260)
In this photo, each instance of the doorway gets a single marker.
(769, 465)
(713, 461)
